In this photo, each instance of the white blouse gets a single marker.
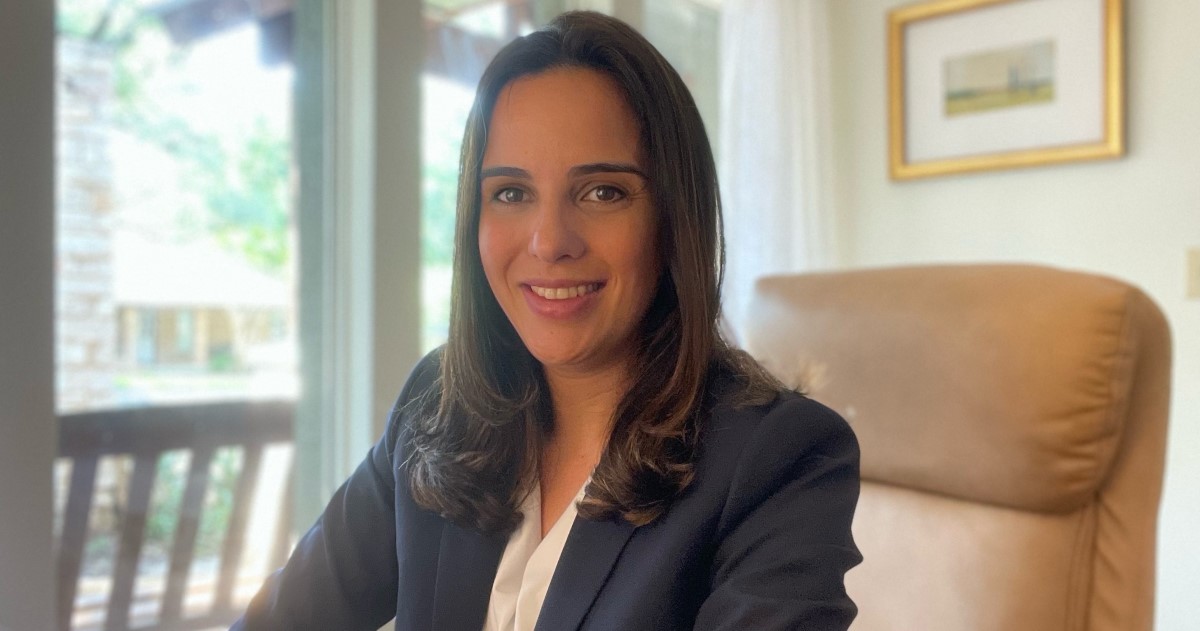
(527, 566)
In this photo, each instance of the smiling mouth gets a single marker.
(564, 293)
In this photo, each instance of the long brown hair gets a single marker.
(475, 443)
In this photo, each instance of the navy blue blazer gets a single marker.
(760, 540)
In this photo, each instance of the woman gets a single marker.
(586, 451)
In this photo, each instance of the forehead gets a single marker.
(563, 116)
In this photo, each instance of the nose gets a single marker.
(555, 236)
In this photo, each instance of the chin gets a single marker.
(551, 355)
(555, 357)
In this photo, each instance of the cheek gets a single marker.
(495, 256)
(491, 251)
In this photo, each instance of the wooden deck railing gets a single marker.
(145, 434)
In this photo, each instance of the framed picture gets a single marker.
(992, 84)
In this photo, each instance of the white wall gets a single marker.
(27, 422)
(1131, 218)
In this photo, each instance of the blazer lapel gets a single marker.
(588, 556)
(467, 565)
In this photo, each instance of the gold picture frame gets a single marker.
(924, 142)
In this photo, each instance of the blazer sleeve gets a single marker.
(343, 572)
(784, 535)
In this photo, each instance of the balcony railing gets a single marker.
(145, 435)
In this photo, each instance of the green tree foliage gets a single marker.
(170, 478)
(446, 105)
(226, 467)
(240, 180)
(439, 191)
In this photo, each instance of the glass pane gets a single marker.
(465, 34)
(175, 307)
(175, 235)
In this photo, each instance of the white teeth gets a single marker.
(562, 293)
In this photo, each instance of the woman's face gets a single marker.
(567, 225)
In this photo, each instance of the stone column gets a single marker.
(86, 318)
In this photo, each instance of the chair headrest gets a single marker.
(1007, 384)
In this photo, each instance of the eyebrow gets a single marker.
(576, 171)
(607, 167)
(505, 172)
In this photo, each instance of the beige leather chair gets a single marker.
(1012, 422)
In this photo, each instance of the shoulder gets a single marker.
(790, 425)
(757, 450)
(781, 482)
(748, 409)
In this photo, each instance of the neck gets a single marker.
(584, 402)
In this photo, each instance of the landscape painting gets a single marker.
(1002, 78)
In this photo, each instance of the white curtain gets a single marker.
(774, 141)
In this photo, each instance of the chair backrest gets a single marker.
(1012, 421)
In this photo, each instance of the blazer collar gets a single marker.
(467, 565)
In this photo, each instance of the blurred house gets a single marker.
(192, 305)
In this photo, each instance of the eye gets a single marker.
(604, 194)
(509, 195)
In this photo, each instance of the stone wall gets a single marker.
(86, 319)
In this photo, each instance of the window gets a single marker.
(175, 307)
